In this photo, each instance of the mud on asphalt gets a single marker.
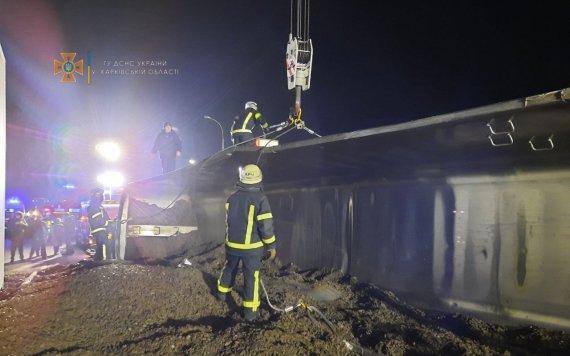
(156, 307)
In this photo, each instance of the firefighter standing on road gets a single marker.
(17, 230)
(57, 235)
(98, 221)
(249, 229)
(39, 232)
(242, 127)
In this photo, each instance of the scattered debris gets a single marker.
(125, 308)
(29, 279)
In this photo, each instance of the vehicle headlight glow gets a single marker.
(111, 179)
(109, 150)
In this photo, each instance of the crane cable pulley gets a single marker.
(299, 55)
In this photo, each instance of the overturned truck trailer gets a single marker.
(467, 211)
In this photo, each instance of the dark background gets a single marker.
(375, 63)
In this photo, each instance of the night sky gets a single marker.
(375, 63)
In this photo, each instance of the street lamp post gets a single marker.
(221, 128)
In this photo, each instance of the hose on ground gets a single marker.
(311, 312)
(285, 310)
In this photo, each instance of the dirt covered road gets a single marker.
(159, 308)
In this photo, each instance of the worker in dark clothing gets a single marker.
(249, 230)
(17, 230)
(69, 227)
(57, 235)
(242, 127)
(169, 146)
(39, 234)
(112, 231)
(98, 221)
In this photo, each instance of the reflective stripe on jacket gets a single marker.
(247, 121)
(98, 219)
(249, 222)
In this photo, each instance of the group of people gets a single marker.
(249, 221)
(169, 146)
(39, 232)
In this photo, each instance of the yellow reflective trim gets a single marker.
(257, 244)
(257, 116)
(96, 215)
(264, 216)
(224, 289)
(256, 290)
(220, 287)
(246, 120)
(227, 229)
(240, 131)
(249, 225)
(269, 240)
(265, 125)
(254, 304)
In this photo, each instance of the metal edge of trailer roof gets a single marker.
(539, 100)
(550, 98)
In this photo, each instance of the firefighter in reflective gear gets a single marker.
(98, 221)
(249, 230)
(242, 127)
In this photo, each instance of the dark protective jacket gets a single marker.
(249, 222)
(98, 218)
(17, 229)
(57, 233)
(167, 143)
(39, 230)
(247, 121)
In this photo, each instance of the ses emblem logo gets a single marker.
(68, 67)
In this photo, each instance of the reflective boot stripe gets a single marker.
(255, 303)
(220, 287)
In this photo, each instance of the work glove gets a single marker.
(272, 254)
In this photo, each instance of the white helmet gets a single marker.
(251, 104)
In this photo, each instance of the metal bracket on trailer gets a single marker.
(158, 230)
(549, 144)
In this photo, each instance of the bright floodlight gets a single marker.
(109, 150)
(192, 161)
(111, 179)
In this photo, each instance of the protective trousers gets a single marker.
(100, 241)
(244, 138)
(251, 267)
(17, 244)
(168, 162)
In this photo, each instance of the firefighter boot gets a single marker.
(250, 315)
(221, 296)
